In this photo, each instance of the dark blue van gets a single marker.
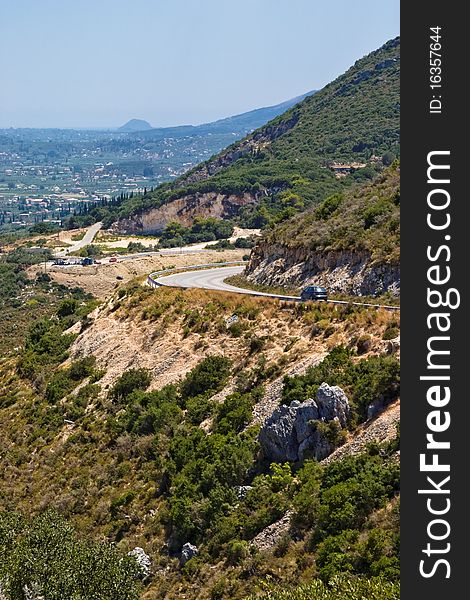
(314, 292)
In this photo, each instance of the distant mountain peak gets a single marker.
(136, 125)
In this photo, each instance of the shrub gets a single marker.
(198, 408)
(244, 243)
(377, 377)
(234, 413)
(79, 369)
(209, 376)
(373, 554)
(328, 206)
(256, 344)
(237, 551)
(364, 344)
(340, 588)
(60, 565)
(282, 545)
(64, 381)
(67, 307)
(202, 230)
(236, 329)
(391, 333)
(130, 381)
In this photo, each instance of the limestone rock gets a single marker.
(341, 271)
(142, 559)
(188, 551)
(278, 436)
(290, 433)
(333, 404)
(242, 491)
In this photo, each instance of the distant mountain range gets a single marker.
(239, 125)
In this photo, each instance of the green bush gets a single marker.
(340, 588)
(67, 307)
(328, 206)
(341, 495)
(244, 242)
(59, 564)
(130, 381)
(90, 250)
(237, 551)
(208, 377)
(202, 230)
(391, 333)
(64, 381)
(234, 413)
(374, 554)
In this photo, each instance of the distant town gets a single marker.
(45, 175)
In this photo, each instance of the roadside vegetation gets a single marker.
(363, 219)
(21, 296)
(202, 230)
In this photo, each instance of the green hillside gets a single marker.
(287, 163)
(364, 218)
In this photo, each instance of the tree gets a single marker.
(59, 565)
(43, 228)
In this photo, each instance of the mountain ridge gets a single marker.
(241, 122)
(286, 165)
(349, 243)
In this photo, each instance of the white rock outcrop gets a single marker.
(291, 433)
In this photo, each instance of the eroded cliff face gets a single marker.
(210, 204)
(339, 271)
(184, 210)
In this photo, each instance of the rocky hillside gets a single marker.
(349, 243)
(341, 134)
(158, 422)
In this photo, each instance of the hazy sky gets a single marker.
(98, 63)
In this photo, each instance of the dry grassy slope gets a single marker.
(124, 333)
(80, 471)
(100, 280)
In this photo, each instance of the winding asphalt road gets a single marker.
(86, 239)
(213, 279)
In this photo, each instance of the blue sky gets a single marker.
(98, 63)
